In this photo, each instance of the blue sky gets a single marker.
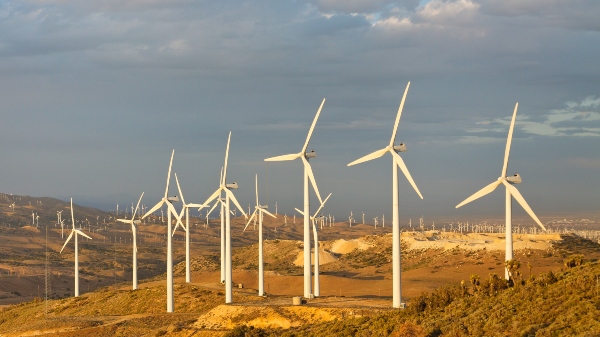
(95, 94)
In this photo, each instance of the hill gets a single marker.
(565, 303)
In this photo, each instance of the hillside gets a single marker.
(565, 303)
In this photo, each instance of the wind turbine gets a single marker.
(397, 162)
(186, 209)
(224, 187)
(222, 218)
(313, 219)
(260, 210)
(170, 210)
(510, 191)
(76, 231)
(58, 215)
(134, 224)
(308, 175)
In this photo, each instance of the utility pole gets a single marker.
(47, 282)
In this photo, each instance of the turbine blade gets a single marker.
(169, 174)
(221, 182)
(486, 190)
(267, 212)
(124, 220)
(214, 195)
(68, 239)
(312, 127)
(299, 211)
(82, 233)
(72, 216)
(257, 204)
(199, 206)
(137, 206)
(174, 229)
(322, 204)
(153, 209)
(370, 156)
(509, 141)
(175, 215)
(517, 195)
(285, 157)
(237, 204)
(250, 220)
(226, 158)
(179, 189)
(212, 208)
(404, 169)
(311, 177)
(398, 116)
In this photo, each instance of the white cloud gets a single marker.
(574, 120)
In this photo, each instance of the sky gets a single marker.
(94, 96)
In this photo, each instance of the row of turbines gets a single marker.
(223, 197)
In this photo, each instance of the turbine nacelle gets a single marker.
(516, 179)
(173, 199)
(311, 154)
(233, 186)
(400, 148)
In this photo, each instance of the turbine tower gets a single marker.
(511, 191)
(75, 231)
(134, 224)
(260, 210)
(224, 187)
(308, 175)
(313, 219)
(170, 210)
(396, 162)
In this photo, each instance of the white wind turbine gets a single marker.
(397, 162)
(171, 210)
(134, 224)
(510, 191)
(75, 231)
(313, 219)
(61, 223)
(222, 218)
(308, 175)
(260, 210)
(186, 209)
(224, 187)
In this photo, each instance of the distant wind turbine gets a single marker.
(314, 218)
(225, 187)
(186, 209)
(134, 224)
(75, 231)
(260, 210)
